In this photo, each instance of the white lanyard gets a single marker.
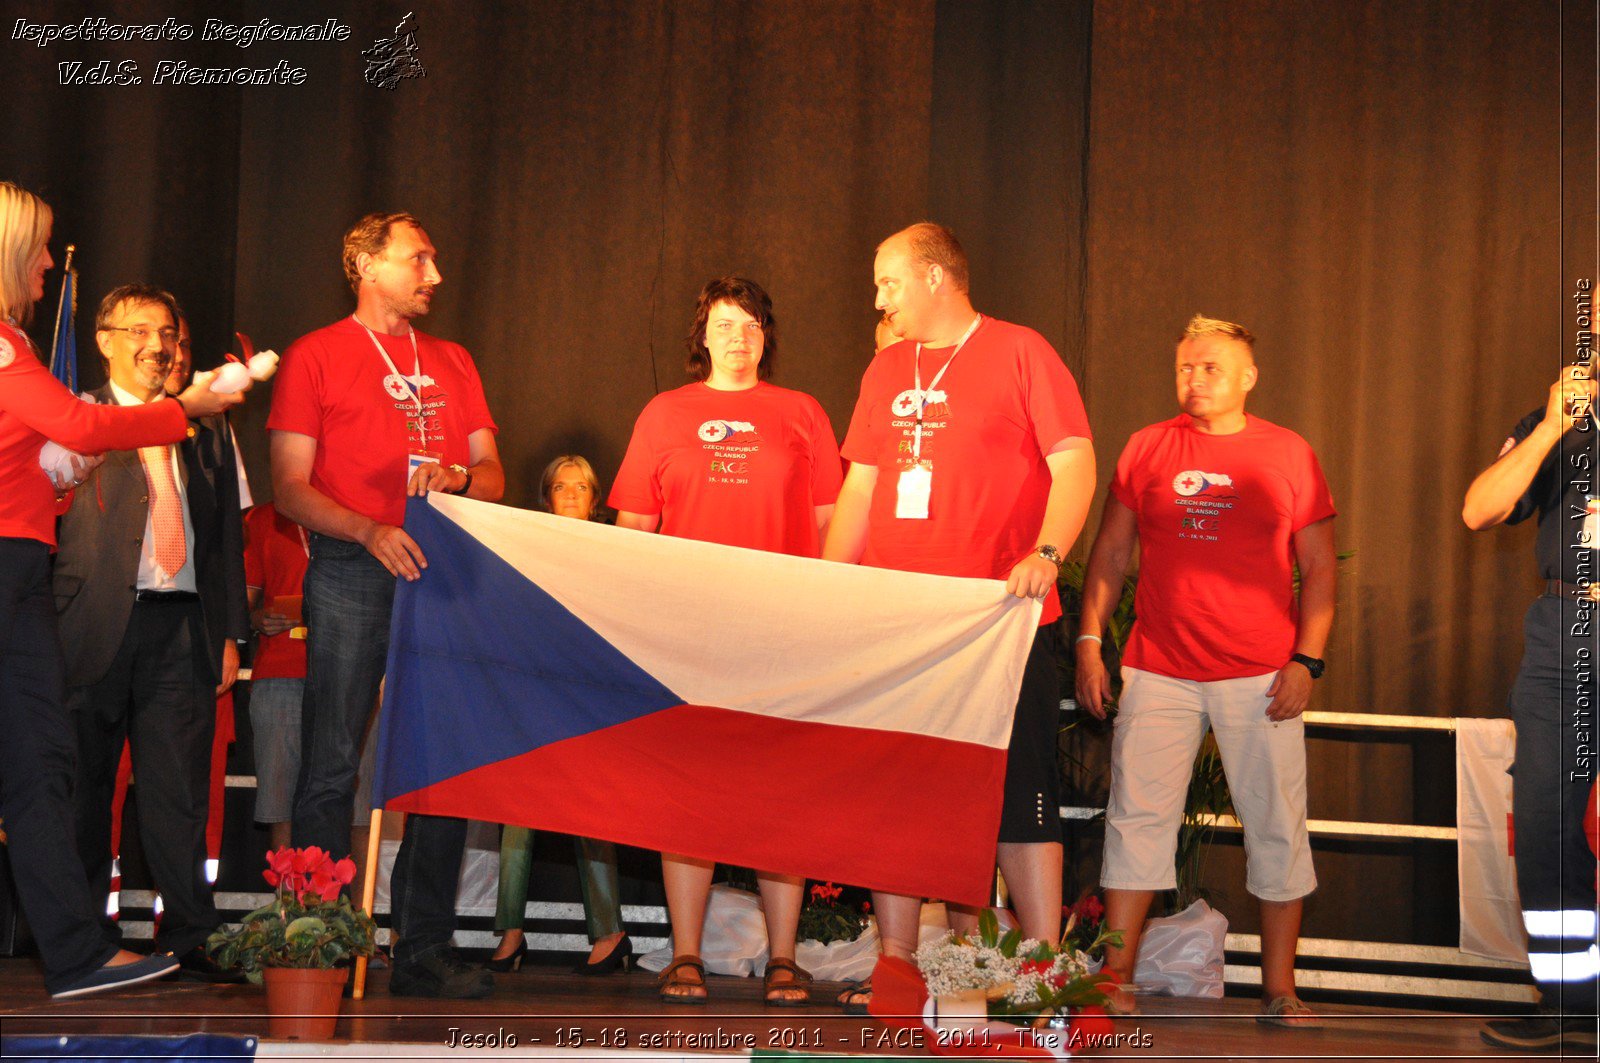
(916, 378)
(414, 389)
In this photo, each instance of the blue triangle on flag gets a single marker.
(466, 688)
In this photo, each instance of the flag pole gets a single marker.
(61, 301)
(369, 888)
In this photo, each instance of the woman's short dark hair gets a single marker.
(748, 296)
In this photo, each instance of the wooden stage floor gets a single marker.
(548, 1012)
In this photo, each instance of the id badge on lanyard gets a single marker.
(912, 492)
(914, 488)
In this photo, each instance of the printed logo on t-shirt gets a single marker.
(1204, 498)
(1193, 482)
(934, 403)
(424, 427)
(8, 353)
(396, 384)
(732, 444)
(717, 431)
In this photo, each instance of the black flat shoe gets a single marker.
(509, 963)
(620, 957)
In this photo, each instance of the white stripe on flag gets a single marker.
(818, 641)
(1578, 923)
(1565, 966)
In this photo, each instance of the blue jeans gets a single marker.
(348, 598)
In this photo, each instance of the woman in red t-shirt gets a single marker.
(37, 747)
(731, 459)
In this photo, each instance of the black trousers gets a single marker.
(1553, 705)
(37, 766)
(160, 696)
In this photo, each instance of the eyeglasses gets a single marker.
(142, 335)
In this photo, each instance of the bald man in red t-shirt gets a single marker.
(970, 455)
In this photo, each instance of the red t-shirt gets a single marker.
(34, 408)
(744, 468)
(336, 388)
(275, 560)
(1006, 402)
(1217, 516)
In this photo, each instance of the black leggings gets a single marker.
(38, 761)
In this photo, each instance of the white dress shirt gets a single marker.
(152, 577)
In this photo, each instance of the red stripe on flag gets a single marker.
(895, 811)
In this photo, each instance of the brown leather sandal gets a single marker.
(855, 996)
(672, 979)
(776, 994)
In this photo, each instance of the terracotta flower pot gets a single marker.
(303, 1002)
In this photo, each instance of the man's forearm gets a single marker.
(1102, 580)
(847, 531)
(316, 512)
(488, 481)
(1318, 559)
(1318, 588)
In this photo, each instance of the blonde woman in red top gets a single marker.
(36, 740)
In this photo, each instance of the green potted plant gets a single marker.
(302, 943)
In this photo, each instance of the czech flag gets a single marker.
(780, 713)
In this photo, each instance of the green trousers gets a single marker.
(597, 875)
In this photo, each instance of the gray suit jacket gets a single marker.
(100, 538)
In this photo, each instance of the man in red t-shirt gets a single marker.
(366, 412)
(1222, 507)
(970, 455)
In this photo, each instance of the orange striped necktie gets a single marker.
(166, 513)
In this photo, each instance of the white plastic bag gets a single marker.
(1181, 955)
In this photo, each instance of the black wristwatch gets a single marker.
(1314, 665)
(462, 469)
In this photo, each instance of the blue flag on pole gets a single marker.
(64, 350)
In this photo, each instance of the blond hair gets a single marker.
(24, 227)
(547, 481)
(1200, 325)
(370, 236)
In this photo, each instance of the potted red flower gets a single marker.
(301, 944)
